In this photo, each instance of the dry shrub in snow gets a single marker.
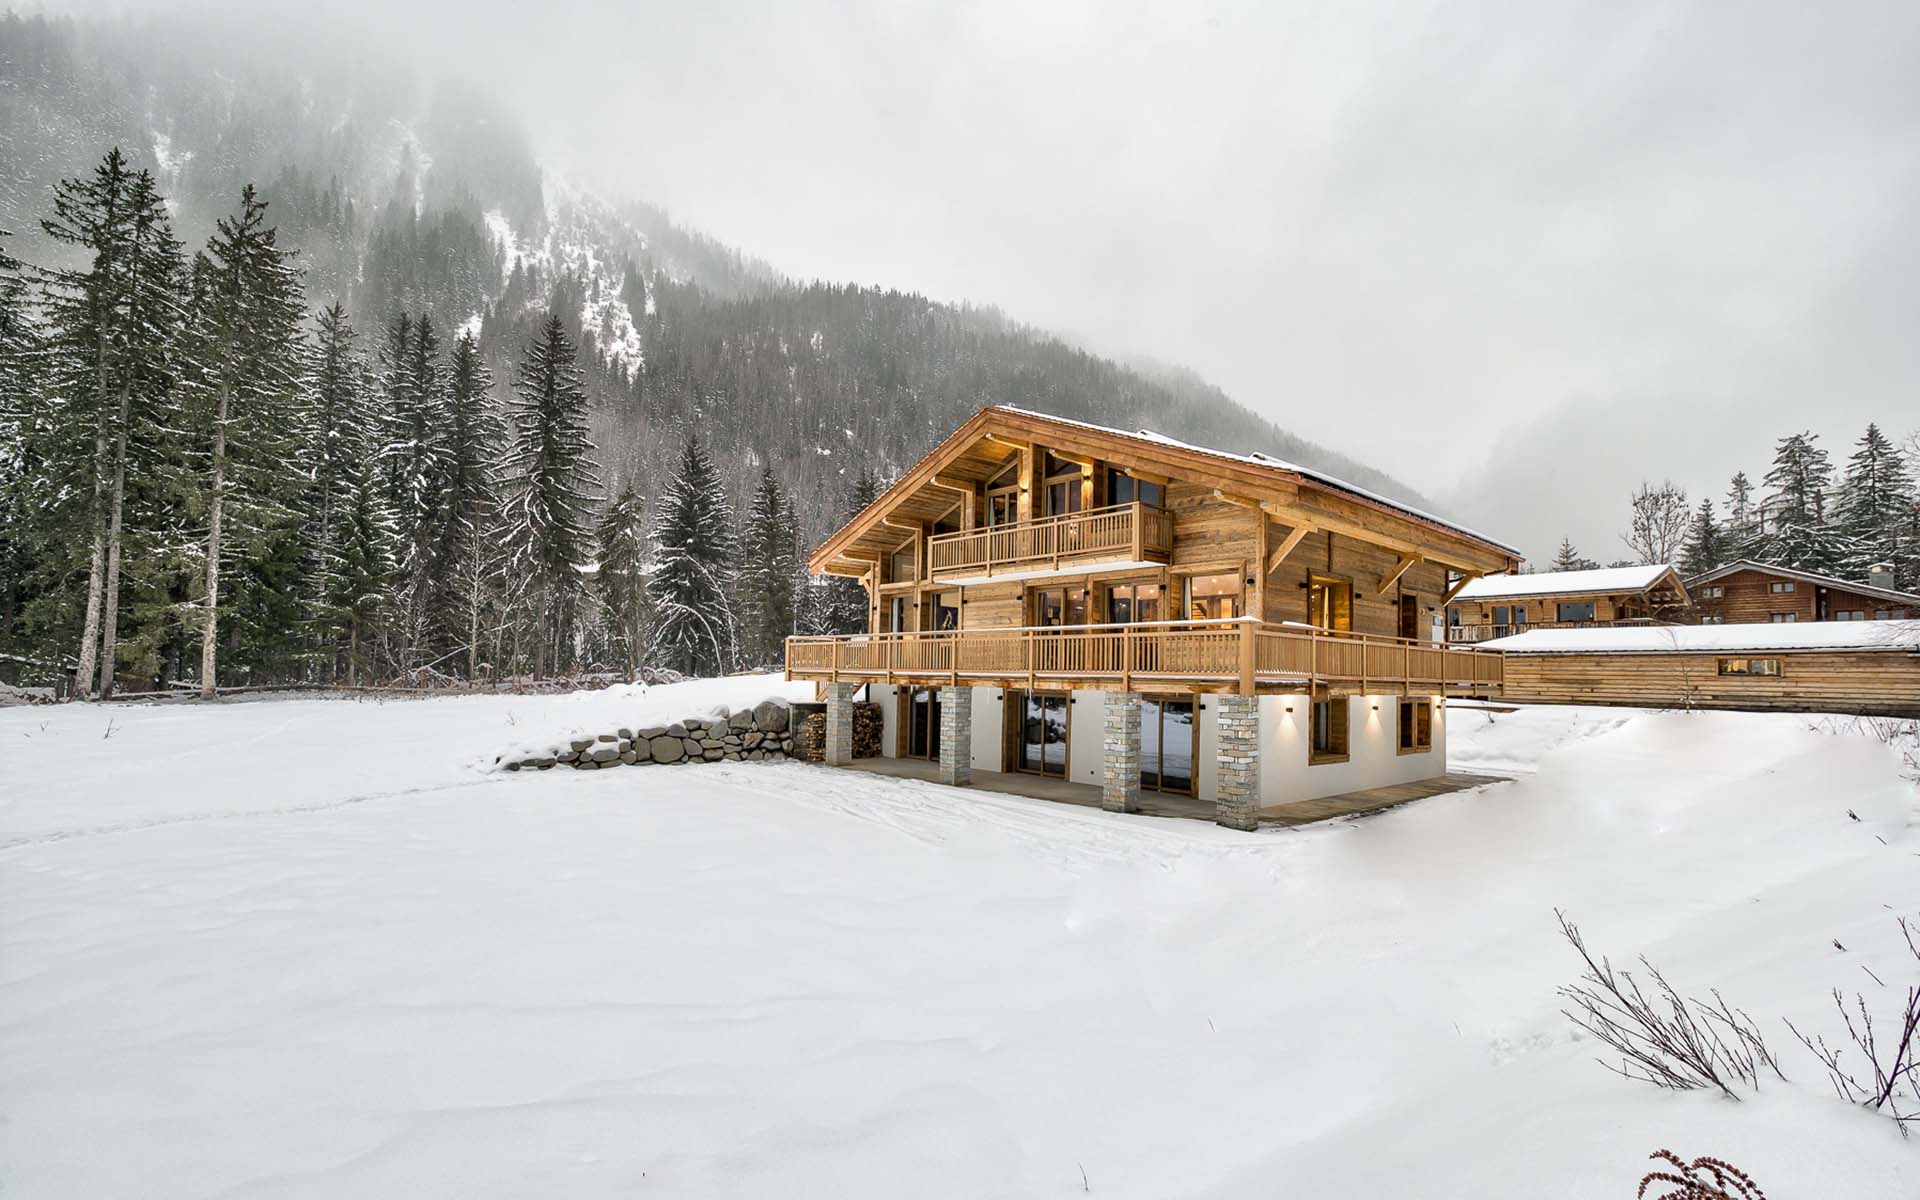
(1890, 1081)
(1701, 1179)
(1662, 1037)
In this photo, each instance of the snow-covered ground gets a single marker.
(315, 948)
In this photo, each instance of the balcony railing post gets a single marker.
(833, 662)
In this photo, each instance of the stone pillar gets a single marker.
(1120, 762)
(1238, 730)
(956, 736)
(839, 747)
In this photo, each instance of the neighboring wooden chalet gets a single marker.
(1130, 611)
(1498, 606)
(1751, 593)
(1818, 666)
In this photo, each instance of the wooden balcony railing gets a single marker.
(1133, 532)
(1240, 655)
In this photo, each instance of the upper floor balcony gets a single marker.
(1119, 535)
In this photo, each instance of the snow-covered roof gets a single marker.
(1267, 460)
(1710, 639)
(1813, 577)
(1607, 580)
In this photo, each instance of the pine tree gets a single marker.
(341, 410)
(1739, 534)
(622, 579)
(469, 503)
(551, 486)
(1800, 532)
(766, 581)
(694, 631)
(113, 324)
(842, 604)
(1704, 549)
(417, 467)
(17, 362)
(360, 583)
(247, 373)
(1569, 559)
(1875, 508)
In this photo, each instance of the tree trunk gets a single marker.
(96, 569)
(473, 626)
(210, 632)
(110, 623)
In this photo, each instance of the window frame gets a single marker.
(1769, 668)
(1339, 722)
(1411, 716)
(1560, 608)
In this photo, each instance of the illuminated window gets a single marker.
(1330, 603)
(1130, 603)
(1210, 597)
(946, 611)
(1750, 666)
(1059, 606)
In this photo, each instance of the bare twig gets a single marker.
(1702, 1179)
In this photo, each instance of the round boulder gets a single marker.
(667, 749)
(770, 716)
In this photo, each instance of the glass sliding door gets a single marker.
(1043, 734)
(1169, 736)
(923, 724)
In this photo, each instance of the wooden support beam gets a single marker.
(1288, 546)
(1147, 476)
(1399, 569)
(954, 483)
(1230, 498)
(1024, 501)
(1454, 591)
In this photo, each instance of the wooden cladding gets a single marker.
(1878, 682)
(1132, 532)
(1243, 656)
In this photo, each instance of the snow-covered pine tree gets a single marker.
(622, 580)
(842, 603)
(113, 319)
(360, 585)
(1875, 508)
(694, 628)
(463, 564)
(417, 469)
(341, 411)
(17, 359)
(1704, 549)
(1801, 533)
(766, 579)
(1739, 534)
(246, 372)
(549, 490)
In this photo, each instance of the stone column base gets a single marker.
(956, 736)
(839, 747)
(1120, 761)
(1238, 782)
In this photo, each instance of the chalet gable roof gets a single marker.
(1813, 577)
(1256, 474)
(1600, 581)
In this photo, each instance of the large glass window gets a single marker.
(1574, 610)
(1416, 726)
(1129, 603)
(1167, 741)
(1063, 486)
(946, 611)
(1329, 719)
(1213, 596)
(897, 615)
(923, 724)
(900, 565)
(1125, 489)
(1003, 508)
(1043, 734)
(1059, 606)
(1330, 603)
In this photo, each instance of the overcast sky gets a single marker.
(1518, 254)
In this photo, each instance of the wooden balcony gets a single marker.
(1121, 533)
(1242, 656)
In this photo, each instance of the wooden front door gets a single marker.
(1409, 616)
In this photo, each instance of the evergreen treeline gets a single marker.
(207, 484)
(1806, 513)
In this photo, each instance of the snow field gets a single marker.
(307, 948)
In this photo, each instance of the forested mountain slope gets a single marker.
(404, 197)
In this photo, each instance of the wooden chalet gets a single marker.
(1746, 592)
(1124, 609)
(1498, 606)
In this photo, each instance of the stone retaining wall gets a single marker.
(749, 735)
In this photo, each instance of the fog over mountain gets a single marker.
(1517, 259)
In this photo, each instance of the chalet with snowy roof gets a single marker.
(1746, 592)
(1864, 667)
(1068, 604)
(1498, 606)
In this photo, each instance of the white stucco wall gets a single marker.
(1373, 757)
(887, 697)
(988, 728)
(1086, 736)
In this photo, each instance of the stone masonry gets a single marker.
(755, 734)
(840, 724)
(1238, 782)
(1120, 758)
(956, 736)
